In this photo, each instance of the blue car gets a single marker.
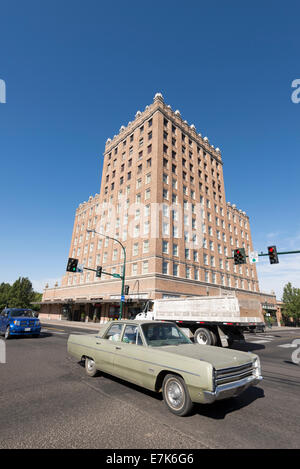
(19, 321)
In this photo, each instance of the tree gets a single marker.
(21, 293)
(37, 298)
(4, 294)
(291, 302)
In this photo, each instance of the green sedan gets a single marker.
(158, 356)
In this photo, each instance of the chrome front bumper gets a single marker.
(226, 391)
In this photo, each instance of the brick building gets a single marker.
(163, 196)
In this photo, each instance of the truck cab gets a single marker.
(19, 321)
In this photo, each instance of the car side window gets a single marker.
(131, 335)
(114, 332)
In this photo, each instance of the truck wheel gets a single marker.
(176, 395)
(205, 337)
(7, 333)
(90, 367)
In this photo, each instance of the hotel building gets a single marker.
(163, 197)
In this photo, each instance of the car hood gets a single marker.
(23, 318)
(218, 357)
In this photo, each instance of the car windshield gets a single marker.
(158, 335)
(21, 312)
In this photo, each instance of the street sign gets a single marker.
(122, 297)
(253, 257)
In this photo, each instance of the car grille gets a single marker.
(230, 375)
(28, 322)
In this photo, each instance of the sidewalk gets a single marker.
(80, 325)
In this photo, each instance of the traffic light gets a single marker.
(272, 251)
(126, 290)
(72, 265)
(99, 271)
(239, 256)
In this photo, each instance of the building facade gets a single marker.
(163, 197)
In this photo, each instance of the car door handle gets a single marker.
(118, 348)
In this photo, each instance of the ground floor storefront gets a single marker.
(89, 311)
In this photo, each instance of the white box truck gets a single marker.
(211, 320)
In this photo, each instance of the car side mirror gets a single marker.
(35, 314)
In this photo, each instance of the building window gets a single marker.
(134, 269)
(175, 269)
(145, 267)
(165, 266)
(135, 249)
(146, 246)
(165, 247)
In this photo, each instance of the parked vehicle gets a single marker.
(210, 320)
(160, 357)
(19, 321)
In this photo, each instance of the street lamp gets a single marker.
(122, 277)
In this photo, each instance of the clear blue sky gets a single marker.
(76, 71)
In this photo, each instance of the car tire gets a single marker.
(176, 395)
(90, 367)
(7, 333)
(204, 336)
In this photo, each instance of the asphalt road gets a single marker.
(47, 401)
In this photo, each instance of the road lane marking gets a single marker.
(288, 345)
(259, 341)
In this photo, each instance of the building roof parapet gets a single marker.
(239, 211)
(91, 200)
(159, 103)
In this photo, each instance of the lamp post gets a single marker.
(122, 277)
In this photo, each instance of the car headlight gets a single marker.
(17, 323)
(257, 367)
(214, 378)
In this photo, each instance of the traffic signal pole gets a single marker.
(122, 277)
(267, 254)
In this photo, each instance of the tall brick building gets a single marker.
(162, 195)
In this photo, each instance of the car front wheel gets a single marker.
(90, 367)
(176, 395)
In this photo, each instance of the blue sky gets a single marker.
(76, 71)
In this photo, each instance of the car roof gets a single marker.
(139, 321)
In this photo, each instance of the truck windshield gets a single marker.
(159, 335)
(21, 312)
